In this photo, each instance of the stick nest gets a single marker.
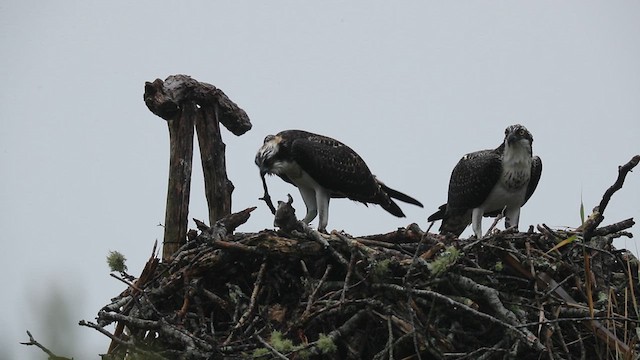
(404, 294)
(408, 294)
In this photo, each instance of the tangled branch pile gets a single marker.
(408, 294)
(395, 295)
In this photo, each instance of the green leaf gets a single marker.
(581, 209)
(562, 243)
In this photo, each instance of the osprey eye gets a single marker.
(521, 132)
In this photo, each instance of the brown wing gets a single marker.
(536, 173)
(332, 164)
(472, 180)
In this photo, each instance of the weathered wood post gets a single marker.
(184, 102)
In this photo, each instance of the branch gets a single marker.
(34, 342)
(614, 228)
(257, 287)
(532, 342)
(490, 295)
(225, 226)
(266, 197)
(622, 174)
(165, 99)
(271, 348)
(597, 217)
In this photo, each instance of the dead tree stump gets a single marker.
(184, 103)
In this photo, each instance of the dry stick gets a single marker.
(547, 281)
(129, 283)
(180, 164)
(493, 300)
(633, 295)
(145, 276)
(587, 280)
(556, 286)
(532, 342)
(597, 216)
(558, 332)
(535, 287)
(488, 352)
(252, 303)
(315, 235)
(614, 228)
(180, 100)
(579, 319)
(32, 341)
(106, 333)
(190, 341)
(495, 222)
(312, 295)
(266, 197)
(225, 226)
(622, 173)
(115, 339)
(217, 186)
(411, 234)
(413, 325)
(271, 348)
(161, 326)
(390, 337)
(404, 283)
(347, 278)
(348, 326)
(583, 352)
(141, 291)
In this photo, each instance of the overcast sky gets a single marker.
(410, 85)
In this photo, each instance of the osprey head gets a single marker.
(517, 134)
(267, 152)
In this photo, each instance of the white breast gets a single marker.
(295, 173)
(511, 189)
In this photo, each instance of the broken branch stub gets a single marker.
(184, 103)
(164, 98)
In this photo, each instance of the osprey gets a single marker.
(488, 182)
(323, 168)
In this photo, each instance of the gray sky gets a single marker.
(410, 85)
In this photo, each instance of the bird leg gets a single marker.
(476, 222)
(322, 199)
(309, 198)
(512, 218)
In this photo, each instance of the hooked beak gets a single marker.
(513, 137)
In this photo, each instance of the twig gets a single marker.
(271, 348)
(499, 217)
(315, 235)
(488, 352)
(252, 303)
(614, 228)
(266, 197)
(312, 295)
(578, 319)
(493, 300)
(597, 216)
(347, 278)
(622, 174)
(390, 338)
(34, 342)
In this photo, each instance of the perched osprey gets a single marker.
(323, 168)
(487, 182)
